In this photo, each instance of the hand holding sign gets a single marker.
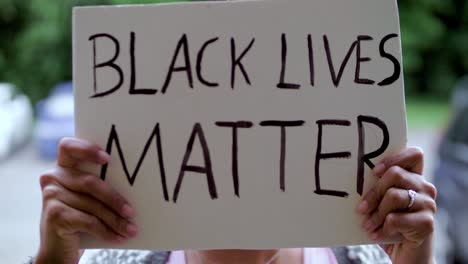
(394, 215)
(76, 202)
(67, 211)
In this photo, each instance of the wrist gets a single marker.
(42, 257)
(56, 257)
(39, 259)
(423, 254)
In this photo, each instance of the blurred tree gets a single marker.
(435, 45)
(12, 21)
(35, 43)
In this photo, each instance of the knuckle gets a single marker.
(396, 172)
(427, 222)
(88, 182)
(65, 143)
(430, 189)
(431, 205)
(391, 220)
(46, 178)
(394, 196)
(50, 192)
(417, 153)
(91, 223)
(56, 212)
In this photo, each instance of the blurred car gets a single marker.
(16, 118)
(451, 180)
(55, 120)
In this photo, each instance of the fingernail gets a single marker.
(379, 169)
(103, 157)
(127, 211)
(131, 230)
(362, 207)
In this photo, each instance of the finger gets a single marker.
(397, 200)
(414, 228)
(93, 186)
(410, 159)
(67, 221)
(91, 206)
(393, 177)
(394, 199)
(71, 151)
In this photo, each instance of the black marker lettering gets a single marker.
(237, 62)
(183, 43)
(207, 169)
(235, 168)
(336, 79)
(366, 157)
(320, 156)
(396, 64)
(282, 125)
(199, 64)
(284, 54)
(109, 63)
(311, 59)
(114, 138)
(133, 90)
(359, 60)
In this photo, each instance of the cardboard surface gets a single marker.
(313, 87)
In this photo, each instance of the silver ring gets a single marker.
(412, 197)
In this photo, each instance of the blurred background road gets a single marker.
(20, 205)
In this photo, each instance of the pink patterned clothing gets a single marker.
(311, 256)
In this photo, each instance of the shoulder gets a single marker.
(361, 254)
(124, 257)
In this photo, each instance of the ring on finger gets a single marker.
(412, 198)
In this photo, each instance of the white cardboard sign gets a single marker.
(247, 124)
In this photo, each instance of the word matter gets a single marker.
(206, 168)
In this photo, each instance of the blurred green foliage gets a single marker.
(435, 45)
(35, 43)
